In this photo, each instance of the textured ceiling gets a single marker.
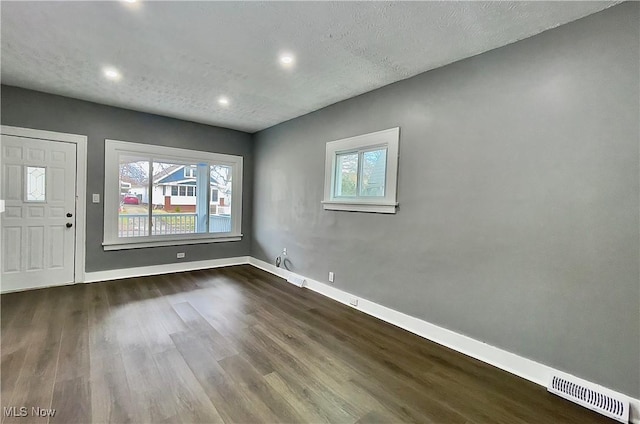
(177, 58)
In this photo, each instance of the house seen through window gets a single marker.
(164, 197)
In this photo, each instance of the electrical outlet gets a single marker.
(330, 277)
(353, 301)
(180, 255)
(284, 251)
(95, 198)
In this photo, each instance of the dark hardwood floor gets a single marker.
(239, 345)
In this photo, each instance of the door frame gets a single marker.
(81, 185)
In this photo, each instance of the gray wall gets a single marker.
(32, 109)
(518, 191)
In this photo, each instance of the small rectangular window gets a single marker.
(36, 184)
(346, 175)
(133, 212)
(361, 173)
(372, 173)
(190, 171)
(221, 193)
(174, 190)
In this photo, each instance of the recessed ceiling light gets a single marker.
(286, 59)
(223, 101)
(132, 4)
(112, 74)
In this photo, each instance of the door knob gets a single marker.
(69, 225)
(69, 214)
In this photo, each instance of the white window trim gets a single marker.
(390, 139)
(113, 148)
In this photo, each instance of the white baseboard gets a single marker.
(522, 367)
(45, 285)
(117, 274)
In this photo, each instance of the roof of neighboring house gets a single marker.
(171, 176)
(165, 172)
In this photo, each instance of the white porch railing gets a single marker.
(137, 225)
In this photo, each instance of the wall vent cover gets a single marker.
(590, 396)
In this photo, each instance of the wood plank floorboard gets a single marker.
(239, 345)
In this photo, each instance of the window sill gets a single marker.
(159, 243)
(372, 207)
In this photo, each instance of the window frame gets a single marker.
(114, 148)
(389, 139)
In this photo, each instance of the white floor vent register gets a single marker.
(297, 281)
(590, 396)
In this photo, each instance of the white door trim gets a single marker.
(81, 184)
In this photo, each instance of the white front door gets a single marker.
(38, 225)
